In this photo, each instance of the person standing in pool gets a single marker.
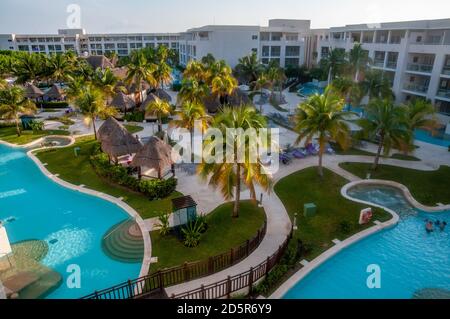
(429, 227)
(443, 225)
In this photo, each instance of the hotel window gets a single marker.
(58, 47)
(255, 50)
(265, 36)
(23, 48)
(292, 62)
(292, 37)
(69, 47)
(174, 45)
(41, 39)
(254, 37)
(51, 48)
(275, 51)
(292, 50)
(150, 45)
(149, 38)
(122, 45)
(110, 46)
(122, 52)
(443, 107)
(419, 39)
(276, 60)
(265, 51)
(325, 52)
(276, 36)
(265, 61)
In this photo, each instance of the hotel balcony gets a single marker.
(414, 87)
(391, 65)
(446, 70)
(418, 67)
(378, 63)
(445, 93)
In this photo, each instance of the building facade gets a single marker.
(415, 56)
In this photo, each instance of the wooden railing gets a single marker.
(244, 281)
(141, 287)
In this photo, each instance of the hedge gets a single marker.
(52, 105)
(154, 189)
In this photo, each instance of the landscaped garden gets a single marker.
(78, 170)
(336, 218)
(9, 134)
(429, 188)
(223, 233)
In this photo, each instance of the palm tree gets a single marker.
(139, 70)
(222, 81)
(261, 83)
(192, 91)
(13, 103)
(3, 83)
(387, 123)
(249, 68)
(74, 87)
(229, 175)
(29, 67)
(358, 58)
(195, 70)
(376, 85)
(276, 76)
(334, 63)
(163, 71)
(159, 108)
(208, 60)
(91, 103)
(59, 66)
(322, 116)
(106, 81)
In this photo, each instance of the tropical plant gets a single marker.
(13, 104)
(192, 233)
(74, 87)
(189, 114)
(208, 60)
(229, 174)
(359, 59)
(387, 124)
(29, 67)
(249, 68)
(106, 81)
(195, 70)
(59, 66)
(163, 71)
(91, 103)
(37, 126)
(159, 108)
(376, 85)
(275, 75)
(140, 69)
(334, 63)
(192, 91)
(163, 224)
(322, 116)
(222, 81)
(261, 83)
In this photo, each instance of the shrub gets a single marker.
(176, 87)
(192, 233)
(36, 126)
(134, 117)
(163, 224)
(52, 105)
(154, 189)
(62, 119)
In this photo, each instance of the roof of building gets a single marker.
(55, 92)
(116, 140)
(183, 202)
(123, 102)
(32, 91)
(156, 154)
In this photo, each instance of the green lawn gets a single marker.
(223, 234)
(429, 188)
(8, 134)
(78, 170)
(337, 217)
(133, 128)
(404, 157)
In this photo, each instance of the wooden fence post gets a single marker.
(228, 287)
(160, 280)
(247, 247)
(267, 265)
(250, 281)
(96, 294)
(130, 289)
(186, 272)
(231, 256)
(203, 292)
(210, 265)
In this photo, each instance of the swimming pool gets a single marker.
(309, 89)
(44, 210)
(425, 136)
(410, 259)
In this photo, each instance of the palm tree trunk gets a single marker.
(237, 198)
(320, 168)
(380, 148)
(95, 130)
(17, 127)
(159, 124)
(357, 74)
(330, 75)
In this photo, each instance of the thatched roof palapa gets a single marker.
(33, 92)
(99, 61)
(156, 154)
(55, 93)
(116, 140)
(123, 102)
(150, 98)
(163, 95)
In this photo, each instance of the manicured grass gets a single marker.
(8, 134)
(78, 171)
(133, 128)
(336, 218)
(404, 157)
(224, 233)
(429, 188)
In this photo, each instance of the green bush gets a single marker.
(192, 233)
(154, 189)
(176, 87)
(134, 117)
(52, 105)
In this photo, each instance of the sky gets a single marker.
(98, 16)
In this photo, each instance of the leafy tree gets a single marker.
(13, 104)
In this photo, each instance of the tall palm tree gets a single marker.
(208, 60)
(189, 114)
(159, 108)
(193, 91)
(358, 58)
(387, 123)
(420, 114)
(276, 77)
(261, 83)
(74, 87)
(13, 103)
(163, 71)
(334, 63)
(249, 68)
(376, 85)
(222, 81)
(322, 116)
(229, 175)
(29, 67)
(106, 81)
(3, 83)
(91, 103)
(195, 70)
(59, 66)
(139, 70)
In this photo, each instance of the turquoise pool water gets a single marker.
(439, 139)
(410, 259)
(46, 211)
(309, 89)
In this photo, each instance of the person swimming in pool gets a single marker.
(443, 225)
(429, 227)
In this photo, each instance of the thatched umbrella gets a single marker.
(55, 93)
(156, 154)
(99, 61)
(163, 95)
(33, 92)
(150, 98)
(123, 102)
(116, 140)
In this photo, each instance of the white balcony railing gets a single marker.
(391, 65)
(444, 93)
(378, 63)
(416, 87)
(446, 70)
(418, 67)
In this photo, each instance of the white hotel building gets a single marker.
(414, 55)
